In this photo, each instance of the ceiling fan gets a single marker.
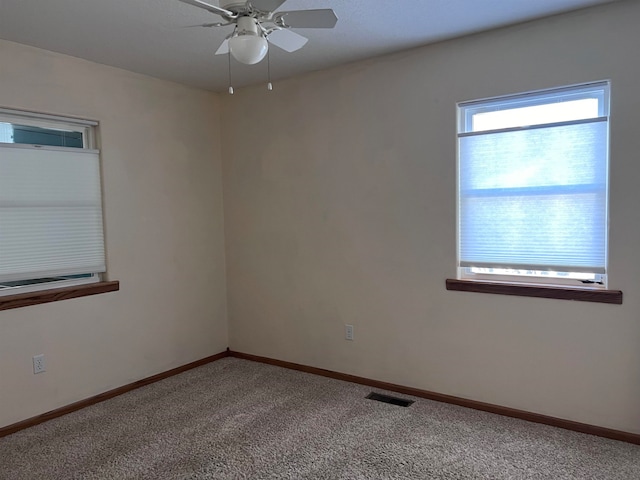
(257, 24)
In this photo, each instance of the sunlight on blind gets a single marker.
(535, 197)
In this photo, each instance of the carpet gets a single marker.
(235, 419)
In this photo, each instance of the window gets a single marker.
(533, 187)
(51, 231)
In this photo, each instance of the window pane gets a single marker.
(536, 115)
(536, 273)
(31, 135)
(6, 133)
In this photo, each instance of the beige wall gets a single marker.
(339, 194)
(164, 231)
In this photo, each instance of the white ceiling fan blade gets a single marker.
(266, 5)
(324, 18)
(287, 40)
(224, 48)
(228, 14)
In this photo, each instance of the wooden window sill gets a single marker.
(561, 293)
(56, 294)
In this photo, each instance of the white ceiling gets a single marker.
(148, 36)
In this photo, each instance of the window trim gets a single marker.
(45, 120)
(56, 294)
(583, 294)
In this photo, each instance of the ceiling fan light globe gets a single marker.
(248, 49)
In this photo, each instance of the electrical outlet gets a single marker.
(38, 364)
(348, 332)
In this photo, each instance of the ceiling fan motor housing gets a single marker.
(235, 6)
(247, 26)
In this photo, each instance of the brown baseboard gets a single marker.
(463, 402)
(58, 412)
(439, 397)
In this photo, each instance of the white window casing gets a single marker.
(51, 225)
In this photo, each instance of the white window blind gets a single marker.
(50, 212)
(535, 197)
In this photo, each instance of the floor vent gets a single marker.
(401, 402)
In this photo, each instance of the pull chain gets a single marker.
(269, 85)
(230, 87)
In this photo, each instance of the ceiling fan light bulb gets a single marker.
(248, 49)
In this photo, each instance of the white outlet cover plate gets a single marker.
(38, 364)
(348, 332)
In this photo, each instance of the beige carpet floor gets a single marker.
(235, 419)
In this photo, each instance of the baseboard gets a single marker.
(463, 402)
(58, 412)
(439, 397)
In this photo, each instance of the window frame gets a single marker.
(600, 90)
(89, 142)
(52, 122)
